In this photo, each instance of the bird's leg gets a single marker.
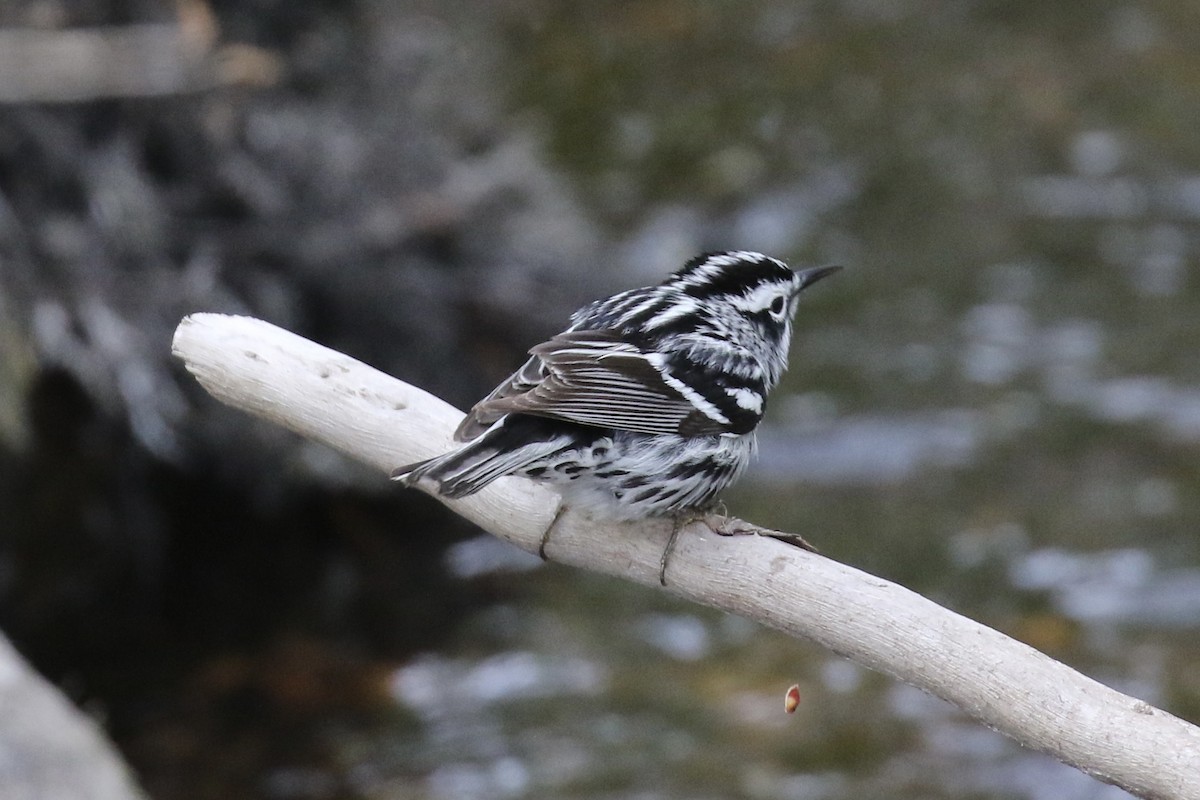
(676, 525)
(549, 530)
(720, 523)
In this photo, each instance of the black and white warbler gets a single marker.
(646, 404)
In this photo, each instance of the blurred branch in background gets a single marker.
(136, 60)
(1041, 703)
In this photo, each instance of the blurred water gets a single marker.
(997, 403)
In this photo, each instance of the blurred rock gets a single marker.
(48, 748)
(367, 196)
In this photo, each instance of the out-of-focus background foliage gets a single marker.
(997, 403)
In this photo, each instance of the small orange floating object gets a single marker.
(791, 700)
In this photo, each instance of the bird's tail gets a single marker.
(503, 450)
(456, 474)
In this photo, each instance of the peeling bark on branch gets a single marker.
(1006, 685)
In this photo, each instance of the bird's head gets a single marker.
(751, 298)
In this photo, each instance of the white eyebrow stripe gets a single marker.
(760, 298)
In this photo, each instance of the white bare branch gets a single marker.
(1006, 685)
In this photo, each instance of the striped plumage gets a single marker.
(646, 405)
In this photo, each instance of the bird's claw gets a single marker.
(723, 525)
(732, 526)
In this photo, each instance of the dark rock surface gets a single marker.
(365, 197)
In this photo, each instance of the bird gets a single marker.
(646, 405)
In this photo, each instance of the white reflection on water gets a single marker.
(808, 786)
(503, 777)
(680, 636)
(465, 707)
(1175, 410)
(1070, 353)
(1001, 345)
(999, 341)
(841, 676)
(870, 449)
(973, 759)
(1034, 777)
(1111, 197)
(1111, 586)
(1074, 196)
(486, 554)
(436, 687)
(1097, 153)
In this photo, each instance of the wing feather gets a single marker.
(481, 417)
(596, 378)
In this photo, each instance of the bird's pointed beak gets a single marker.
(810, 276)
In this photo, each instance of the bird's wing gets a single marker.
(596, 378)
(482, 416)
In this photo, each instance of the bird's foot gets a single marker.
(723, 525)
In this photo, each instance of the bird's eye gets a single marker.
(777, 306)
